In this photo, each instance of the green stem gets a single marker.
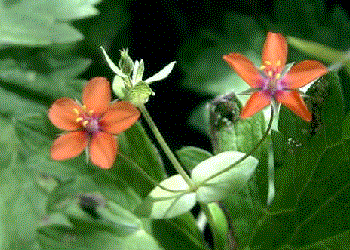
(147, 176)
(246, 155)
(165, 146)
(218, 225)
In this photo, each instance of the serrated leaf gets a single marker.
(168, 204)
(161, 74)
(231, 181)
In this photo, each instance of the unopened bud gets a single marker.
(125, 62)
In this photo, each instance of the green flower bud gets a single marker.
(125, 62)
(139, 94)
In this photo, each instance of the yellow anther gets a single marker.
(79, 119)
(278, 76)
(268, 63)
(85, 123)
(262, 67)
(91, 112)
(278, 63)
(84, 107)
(75, 110)
(269, 73)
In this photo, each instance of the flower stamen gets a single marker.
(76, 111)
(79, 119)
(85, 123)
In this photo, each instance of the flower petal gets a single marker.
(275, 50)
(244, 68)
(69, 145)
(255, 103)
(120, 116)
(62, 114)
(293, 101)
(97, 95)
(103, 149)
(304, 73)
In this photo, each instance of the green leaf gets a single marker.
(337, 242)
(219, 226)
(137, 148)
(242, 135)
(244, 209)
(191, 156)
(272, 230)
(22, 205)
(323, 206)
(317, 50)
(28, 22)
(232, 180)
(182, 233)
(168, 204)
(49, 77)
(32, 131)
(64, 237)
(304, 143)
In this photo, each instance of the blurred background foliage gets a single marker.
(50, 48)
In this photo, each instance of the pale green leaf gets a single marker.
(218, 187)
(161, 74)
(111, 64)
(168, 204)
(118, 86)
(139, 68)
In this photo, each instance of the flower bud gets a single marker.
(125, 62)
(224, 111)
(139, 94)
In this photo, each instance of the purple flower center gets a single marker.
(272, 80)
(89, 121)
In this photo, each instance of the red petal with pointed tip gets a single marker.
(69, 145)
(119, 117)
(275, 49)
(255, 103)
(244, 68)
(304, 73)
(61, 114)
(293, 101)
(103, 149)
(97, 95)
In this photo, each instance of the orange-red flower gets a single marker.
(273, 81)
(91, 125)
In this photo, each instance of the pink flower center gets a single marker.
(272, 81)
(89, 121)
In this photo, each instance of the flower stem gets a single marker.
(165, 146)
(218, 225)
(246, 155)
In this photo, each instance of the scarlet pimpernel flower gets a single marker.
(274, 82)
(91, 126)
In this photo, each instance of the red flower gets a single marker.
(271, 82)
(92, 125)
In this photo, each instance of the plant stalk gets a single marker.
(165, 146)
